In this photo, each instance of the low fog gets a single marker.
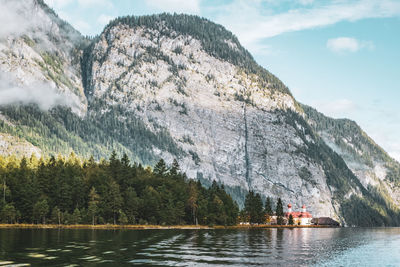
(13, 17)
(40, 93)
(26, 17)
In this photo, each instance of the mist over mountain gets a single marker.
(180, 86)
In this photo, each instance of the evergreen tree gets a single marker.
(114, 199)
(76, 216)
(115, 167)
(125, 160)
(254, 207)
(56, 215)
(160, 168)
(40, 210)
(174, 168)
(192, 201)
(93, 204)
(258, 209)
(248, 206)
(8, 214)
(151, 207)
(279, 208)
(291, 221)
(122, 218)
(268, 207)
(279, 212)
(132, 204)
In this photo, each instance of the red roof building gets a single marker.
(299, 217)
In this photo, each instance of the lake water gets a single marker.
(257, 247)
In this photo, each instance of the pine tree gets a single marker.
(174, 169)
(76, 216)
(268, 207)
(56, 215)
(152, 204)
(114, 166)
(125, 160)
(258, 209)
(8, 214)
(160, 168)
(40, 210)
(279, 212)
(114, 199)
(192, 201)
(122, 218)
(132, 204)
(279, 208)
(254, 207)
(93, 204)
(291, 221)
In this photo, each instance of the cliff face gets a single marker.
(177, 86)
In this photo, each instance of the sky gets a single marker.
(341, 57)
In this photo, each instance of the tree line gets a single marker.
(69, 190)
(256, 212)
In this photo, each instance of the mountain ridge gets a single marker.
(150, 89)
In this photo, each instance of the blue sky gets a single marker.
(341, 57)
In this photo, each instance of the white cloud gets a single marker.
(252, 23)
(95, 3)
(387, 138)
(81, 25)
(178, 6)
(58, 3)
(342, 105)
(13, 18)
(39, 93)
(104, 19)
(343, 44)
(347, 44)
(394, 148)
(340, 108)
(306, 2)
(395, 155)
(262, 49)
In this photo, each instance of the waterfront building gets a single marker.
(302, 217)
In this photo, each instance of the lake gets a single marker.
(253, 247)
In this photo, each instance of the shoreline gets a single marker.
(154, 227)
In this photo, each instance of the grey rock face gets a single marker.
(238, 142)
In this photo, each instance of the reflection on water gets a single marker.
(257, 247)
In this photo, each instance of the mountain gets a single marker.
(180, 86)
(374, 168)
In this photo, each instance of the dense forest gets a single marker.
(61, 131)
(62, 190)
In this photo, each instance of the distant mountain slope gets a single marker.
(179, 86)
(371, 164)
